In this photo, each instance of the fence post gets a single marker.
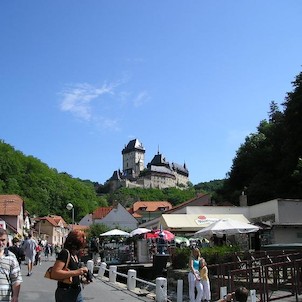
(102, 269)
(223, 291)
(90, 265)
(253, 295)
(131, 281)
(180, 284)
(161, 289)
(112, 273)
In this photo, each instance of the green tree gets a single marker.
(268, 164)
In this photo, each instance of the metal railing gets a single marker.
(273, 276)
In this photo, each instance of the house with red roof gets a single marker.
(51, 228)
(12, 214)
(145, 211)
(115, 217)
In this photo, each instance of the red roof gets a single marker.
(54, 220)
(101, 212)
(151, 206)
(200, 200)
(10, 205)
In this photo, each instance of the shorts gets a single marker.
(29, 259)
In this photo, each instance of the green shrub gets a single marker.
(213, 255)
(219, 254)
(180, 258)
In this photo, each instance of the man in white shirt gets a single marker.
(10, 273)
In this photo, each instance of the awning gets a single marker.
(194, 222)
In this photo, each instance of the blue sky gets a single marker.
(80, 79)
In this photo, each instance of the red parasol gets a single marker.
(167, 235)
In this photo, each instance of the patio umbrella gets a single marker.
(182, 240)
(139, 231)
(227, 227)
(167, 235)
(115, 232)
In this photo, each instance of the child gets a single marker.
(204, 279)
(38, 255)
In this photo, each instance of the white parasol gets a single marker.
(139, 231)
(227, 227)
(115, 232)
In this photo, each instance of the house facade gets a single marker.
(115, 217)
(51, 228)
(12, 212)
(145, 211)
(284, 218)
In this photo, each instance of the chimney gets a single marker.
(243, 200)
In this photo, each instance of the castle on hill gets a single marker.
(159, 173)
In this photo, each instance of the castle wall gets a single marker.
(181, 179)
(133, 165)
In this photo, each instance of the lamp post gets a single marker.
(69, 207)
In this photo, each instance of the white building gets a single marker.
(117, 217)
(282, 218)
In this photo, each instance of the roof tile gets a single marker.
(10, 205)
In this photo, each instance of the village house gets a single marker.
(12, 214)
(114, 217)
(51, 228)
(145, 211)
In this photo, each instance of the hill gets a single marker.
(44, 190)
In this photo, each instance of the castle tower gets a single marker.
(133, 159)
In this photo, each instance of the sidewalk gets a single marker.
(37, 288)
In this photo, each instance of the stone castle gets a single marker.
(159, 173)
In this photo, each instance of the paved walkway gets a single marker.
(37, 288)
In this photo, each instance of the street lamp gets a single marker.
(69, 207)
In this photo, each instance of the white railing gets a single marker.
(160, 285)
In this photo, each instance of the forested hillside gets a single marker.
(44, 190)
(268, 164)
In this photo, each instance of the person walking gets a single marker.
(29, 248)
(46, 251)
(17, 250)
(193, 276)
(74, 243)
(10, 273)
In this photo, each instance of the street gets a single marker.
(38, 288)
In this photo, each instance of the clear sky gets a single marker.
(80, 79)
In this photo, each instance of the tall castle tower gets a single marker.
(133, 159)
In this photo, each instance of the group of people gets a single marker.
(67, 265)
(198, 279)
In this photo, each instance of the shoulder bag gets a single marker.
(65, 268)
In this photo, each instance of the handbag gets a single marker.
(67, 280)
